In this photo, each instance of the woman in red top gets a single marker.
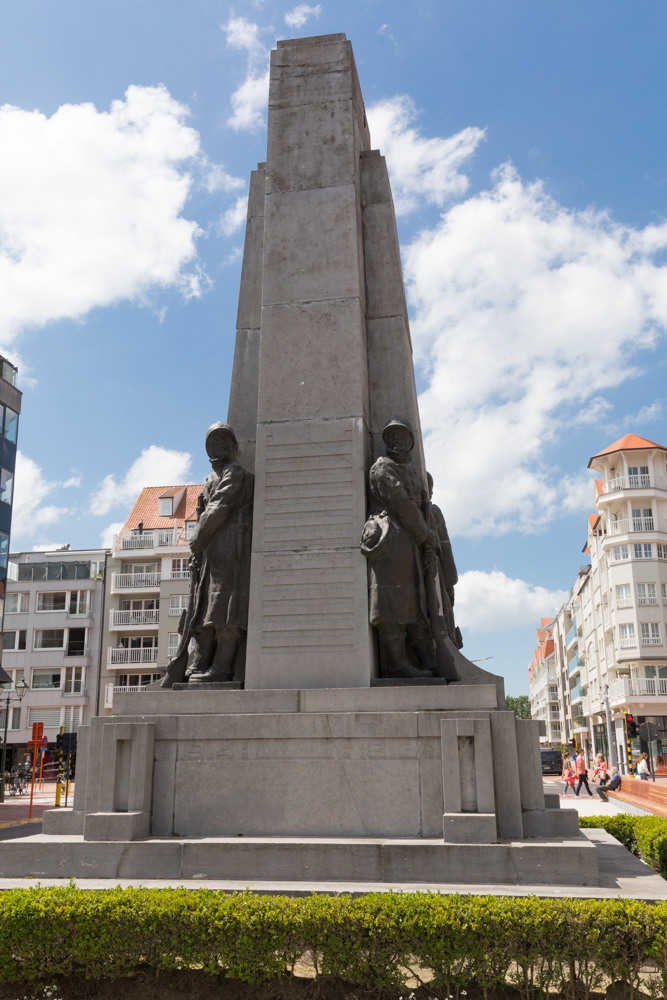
(582, 774)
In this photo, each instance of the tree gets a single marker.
(520, 706)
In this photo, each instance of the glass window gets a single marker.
(73, 680)
(177, 604)
(166, 507)
(71, 718)
(646, 593)
(48, 677)
(14, 718)
(15, 640)
(4, 549)
(76, 642)
(643, 550)
(78, 602)
(650, 633)
(621, 552)
(174, 639)
(6, 486)
(627, 633)
(662, 551)
(17, 603)
(663, 588)
(50, 638)
(623, 595)
(11, 424)
(55, 600)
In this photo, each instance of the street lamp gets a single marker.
(20, 691)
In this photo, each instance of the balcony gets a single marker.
(624, 602)
(630, 524)
(575, 664)
(572, 634)
(179, 574)
(144, 617)
(629, 483)
(637, 687)
(651, 640)
(628, 643)
(128, 688)
(149, 540)
(577, 693)
(647, 600)
(135, 581)
(145, 654)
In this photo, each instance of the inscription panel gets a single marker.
(313, 749)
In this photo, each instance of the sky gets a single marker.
(526, 149)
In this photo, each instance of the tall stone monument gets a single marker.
(326, 725)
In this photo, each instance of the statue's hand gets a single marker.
(430, 559)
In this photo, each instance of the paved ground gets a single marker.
(14, 811)
(594, 806)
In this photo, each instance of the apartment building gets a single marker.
(610, 638)
(147, 588)
(544, 701)
(53, 614)
(10, 408)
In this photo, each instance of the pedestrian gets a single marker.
(604, 772)
(614, 784)
(582, 774)
(568, 775)
(643, 768)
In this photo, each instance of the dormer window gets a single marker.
(166, 508)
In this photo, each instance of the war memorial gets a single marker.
(319, 721)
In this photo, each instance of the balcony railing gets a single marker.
(577, 694)
(143, 581)
(142, 617)
(572, 634)
(150, 539)
(623, 602)
(627, 643)
(128, 688)
(647, 600)
(651, 640)
(629, 483)
(576, 663)
(180, 574)
(629, 524)
(145, 654)
(637, 687)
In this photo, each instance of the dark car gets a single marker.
(552, 762)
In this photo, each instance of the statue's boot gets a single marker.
(203, 653)
(400, 666)
(424, 647)
(222, 667)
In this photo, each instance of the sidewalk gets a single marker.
(586, 806)
(14, 810)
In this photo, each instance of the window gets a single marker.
(16, 604)
(78, 602)
(142, 568)
(49, 717)
(189, 529)
(138, 642)
(663, 589)
(49, 677)
(646, 593)
(662, 551)
(50, 638)
(76, 642)
(643, 550)
(166, 507)
(15, 641)
(6, 485)
(71, 718)
(174, 639)
(14, 718)
(638, 476)
(627, 635)
(4, 549)
(650, 634)
(11, 425)
(16, 678)
(621, 552)
(623, 599)
(177, 604)
(54, 601)
(642, 519)
(73, 680)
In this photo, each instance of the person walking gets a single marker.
(582, 774)
(643, 768)
(569, 776)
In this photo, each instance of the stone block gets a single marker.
(312, 252)
(449, 698)
(123, 826)
(551, 823)
(469, 828)
(328, 159)
(505, 764)
(530, 774)
(551, 800)
(280, 860)
(56, 822)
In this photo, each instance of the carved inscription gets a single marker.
(313, 749)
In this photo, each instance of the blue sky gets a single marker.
(525, 143)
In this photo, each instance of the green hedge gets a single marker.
(645, 836)
(455, 942)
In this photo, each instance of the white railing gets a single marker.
(629, 524)
(145, 654)
(180, 574)
(637, 687)
(651, 640)
(150, 539)
(647, 600)
(123, 581)
(144, 541)
(623, 602)
(628, 643)
(128, 688)
(142, 617)
(629, 482)
(176, 612)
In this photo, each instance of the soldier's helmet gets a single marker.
(399, 422)
(217, 429)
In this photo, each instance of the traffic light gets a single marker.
(633, 728)
(66, 742)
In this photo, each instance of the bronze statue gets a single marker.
(447, 568)
(217, 616)
(400, 546)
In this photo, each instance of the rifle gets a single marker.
(445, 661)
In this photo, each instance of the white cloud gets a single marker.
(249, 100)
(106, 536)
(91, 207)
(524, 312)
(422, 169)
(647, 414)
(155, 466)
(30, 513)
(49, 547)
(235, 217)
(216, 179)
(297, 16)
(492, 602)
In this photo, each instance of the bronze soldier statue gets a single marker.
(217, 617)
(447, 569)
(400, 546)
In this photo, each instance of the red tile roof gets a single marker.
(631, 442)
(147, 506)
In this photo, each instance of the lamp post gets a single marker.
(20, 691)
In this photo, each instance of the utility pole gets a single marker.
(612, 747)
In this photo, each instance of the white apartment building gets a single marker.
(611, 636)
(53, 614)
(544, 700)
(147, 589)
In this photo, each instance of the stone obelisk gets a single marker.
(322, 362)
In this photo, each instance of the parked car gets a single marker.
(552, 762)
